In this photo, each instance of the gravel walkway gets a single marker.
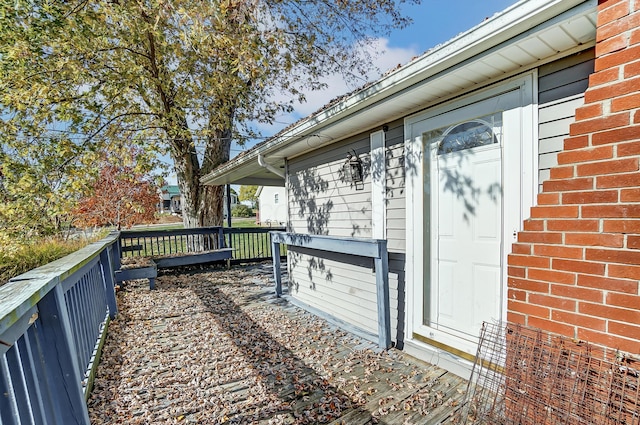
(217, 347)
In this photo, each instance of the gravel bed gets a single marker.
(217, 347)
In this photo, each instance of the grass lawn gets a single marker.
(235, 222)
(242, 222)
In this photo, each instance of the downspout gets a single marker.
(269, 167)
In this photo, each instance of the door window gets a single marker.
(467, 135)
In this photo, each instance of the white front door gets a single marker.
(472, 178)
(466, 234)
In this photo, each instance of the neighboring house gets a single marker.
(272, 205)
(500, 167)
(171, 199)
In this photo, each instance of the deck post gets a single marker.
(108, 280)
(222, 244)
(277, 275)
(220, 238)
(60, 361)
(382, 292)
(228, 196)
(117, 253)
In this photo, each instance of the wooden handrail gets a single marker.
(370, 248)
(52, 342)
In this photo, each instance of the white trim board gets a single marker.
(378, 185)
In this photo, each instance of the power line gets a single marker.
(153, 138)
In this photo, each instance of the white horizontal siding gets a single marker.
(397, 224)
(345, 291)
(554, 121)
(561, 90)
(321, 201)
(552, 144)
(353, 230)
(396, 213)
(396, 199)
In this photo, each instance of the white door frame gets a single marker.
(377, 141)
(524, 158)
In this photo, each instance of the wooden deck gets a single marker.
(217, 347)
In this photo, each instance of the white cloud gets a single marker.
(384, 58)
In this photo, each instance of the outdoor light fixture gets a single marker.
(353, 168)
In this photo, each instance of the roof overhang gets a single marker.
(526, 35)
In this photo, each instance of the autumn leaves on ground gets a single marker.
(217, 347)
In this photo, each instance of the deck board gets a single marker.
(218, 347)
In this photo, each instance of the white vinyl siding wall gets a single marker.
(561, 87)
(396, 203)
(323, 202)
(341, 287)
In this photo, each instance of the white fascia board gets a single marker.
(503, 26)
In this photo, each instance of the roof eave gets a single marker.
(501, 27)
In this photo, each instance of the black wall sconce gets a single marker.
(353, 168)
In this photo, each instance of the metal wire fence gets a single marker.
(527, 376)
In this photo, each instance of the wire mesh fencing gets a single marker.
(526, 376)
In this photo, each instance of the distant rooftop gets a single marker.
(172, 190)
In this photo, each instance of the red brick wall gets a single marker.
(576, 267)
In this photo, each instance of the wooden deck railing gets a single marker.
(251, 244)
(150, 243)
(370, 248)
(53, 319)
(52, 323)
(246, 244)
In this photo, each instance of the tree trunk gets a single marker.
(201, 205)
(187, 169)
(217, 151)
(212, 205)
(189, 189)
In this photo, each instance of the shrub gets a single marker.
(241, 211)
(16, 259)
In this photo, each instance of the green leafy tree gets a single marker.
(241, 211)
(39, 185)
(185, 76)
(248, 193)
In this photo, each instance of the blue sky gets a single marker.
(436, 21)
